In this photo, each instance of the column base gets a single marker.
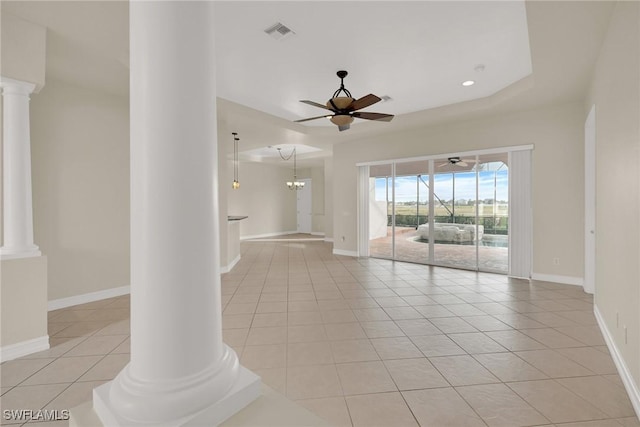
(15, 253)
(245, 390)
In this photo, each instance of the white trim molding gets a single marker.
(23, 348)
(627, 379)
(328, 239)
(496, 150)
(565, 280)
(317, 233)
(228, 268)
(262, 236)
(57, 304)
(345, 252)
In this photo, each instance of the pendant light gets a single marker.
(236, 183)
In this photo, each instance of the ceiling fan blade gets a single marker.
(345, 127)
(462, 163)
(315, 104)
(373, 116)
(312, 118)
(364, 102)
(443, 164)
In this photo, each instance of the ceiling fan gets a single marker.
(345, 108)
(457, 161)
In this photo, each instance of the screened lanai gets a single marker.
(450, 211)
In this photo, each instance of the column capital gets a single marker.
(16, 87)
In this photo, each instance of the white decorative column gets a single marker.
(16, 177)
(180, 372)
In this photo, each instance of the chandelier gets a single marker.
(295, 184)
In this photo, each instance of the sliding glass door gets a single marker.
(451, 211)
(381, 211)
(454, 223)
(493, 212)
(411, 189)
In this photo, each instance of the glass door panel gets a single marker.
(454, 226)
(493, 212)
(380, 211)
(411, 211)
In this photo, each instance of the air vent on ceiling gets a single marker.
(279, 31)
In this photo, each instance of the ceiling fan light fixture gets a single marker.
(341, 119)
(340, 102)
(345, 107)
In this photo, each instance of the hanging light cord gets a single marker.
(285, 158)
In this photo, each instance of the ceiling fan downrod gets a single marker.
(342, 74)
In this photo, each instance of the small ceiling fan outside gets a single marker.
(457, 161)
(345, 108)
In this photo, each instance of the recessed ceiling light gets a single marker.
(468, 83)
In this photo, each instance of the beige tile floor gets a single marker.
(369, 342)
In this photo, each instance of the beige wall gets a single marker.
(328, 198)
(225, 178)
(80, 166)
(558, 190)
(316, 174)
(264, 197)
(615, 91)
(23, 46)
(23, 300)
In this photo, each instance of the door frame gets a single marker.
(590, 201)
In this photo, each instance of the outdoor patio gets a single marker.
(408, 249)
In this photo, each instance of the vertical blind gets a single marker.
(363, 211)
(520, 215)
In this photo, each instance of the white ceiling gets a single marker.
(418, 52)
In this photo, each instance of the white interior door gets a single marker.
(304, 207)
(590, 201)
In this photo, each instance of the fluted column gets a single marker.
(17, 229)
(180, 372)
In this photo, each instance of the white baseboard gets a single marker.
(565, 280)
(262, 236)
(228, 268)
(90, 297)
(629, 384)
(328, 239)
(345, 253)
(13, 351)
(317, 233)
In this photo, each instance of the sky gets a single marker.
(465, 183)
